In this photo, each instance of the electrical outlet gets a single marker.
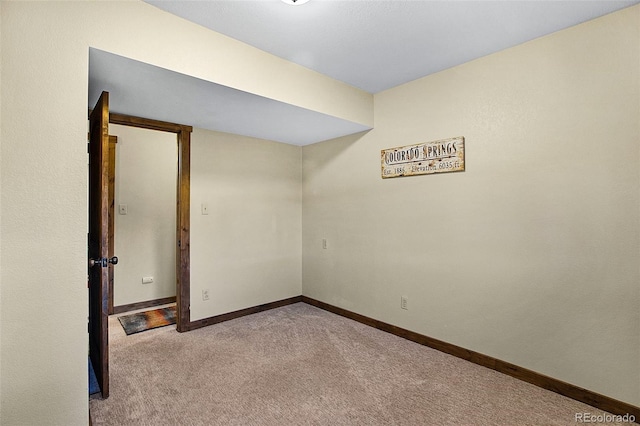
(205, 294)
(404, 302)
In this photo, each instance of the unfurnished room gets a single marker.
(328, 212)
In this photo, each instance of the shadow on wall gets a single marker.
(325, 153)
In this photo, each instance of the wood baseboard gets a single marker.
(241, 313)
(139, 305)
(596, 400)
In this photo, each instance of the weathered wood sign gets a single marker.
(446, 155)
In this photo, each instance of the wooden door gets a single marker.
(99, 241)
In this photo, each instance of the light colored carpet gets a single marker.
(299, 365)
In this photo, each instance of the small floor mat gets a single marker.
(142, 321)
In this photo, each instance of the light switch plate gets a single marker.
(205, 208)
(122, 209)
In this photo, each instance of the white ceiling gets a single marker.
(375, 45)
(370, 44)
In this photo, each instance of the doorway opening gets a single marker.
(183, 135)
(142, 218)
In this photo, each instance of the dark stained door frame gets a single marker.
(183, 271)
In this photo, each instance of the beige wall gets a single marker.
(145, 238)
(44, 87)
(247, 250)
(531, 254)
(43, 222)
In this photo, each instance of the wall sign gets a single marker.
(446, 155)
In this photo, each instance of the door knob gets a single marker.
(103, 261)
